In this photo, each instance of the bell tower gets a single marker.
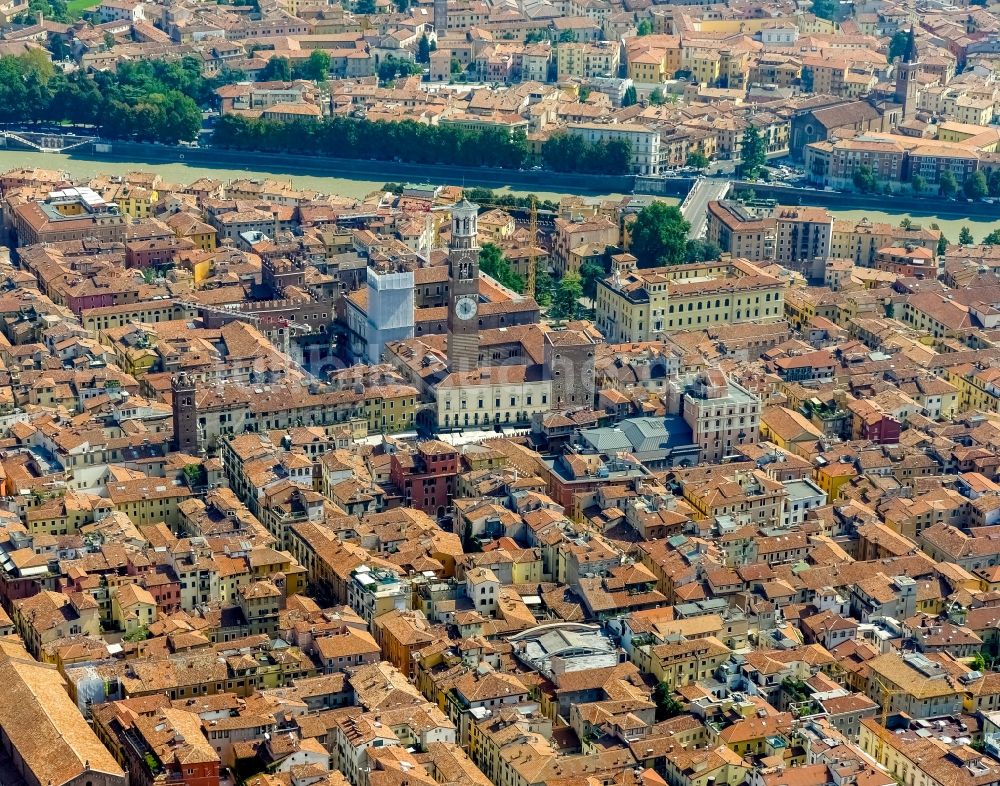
(463, 288)
(907, 71)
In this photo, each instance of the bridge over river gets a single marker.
(694, 208)
(43, 141)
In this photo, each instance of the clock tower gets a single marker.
(463, 288)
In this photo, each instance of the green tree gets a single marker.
(591, 272)
(995, 183)
(365, 7)
(753, 152)
(277, 69)
(456, 66)
(391, 67)
(976, 186)
(697, 159)
(918, 184)
(659, 235)
(109, 40)
(701, 251)
(565, 152)
(486, 196)
(195, 475)
(567, 37)
(865, 180)
(495, 264)
(583, 94)
(906, 223)
(53, 10)
(316, 67)
(470, 543)
(543, 285)
(965, 237)
(667, 706)
(424, 49)
(491, 258)
(656, 98)
(947, 183)
(825, 9)
(565, 298)
(645, 28)
(795, 689)
(613, 157)
(57, 46)
(630, 98)
(993, 238)
(942, 244)
(147, 100)
(897, 46)
(978, 662)
(181, 118)
(348, 137)
(137, 634)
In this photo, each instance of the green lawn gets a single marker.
(76, 7)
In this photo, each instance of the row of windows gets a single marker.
(716, 318)
(513, 402)
(476, 420)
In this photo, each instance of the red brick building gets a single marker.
(426, 476)
(869, 422)
(155, 252)
(909, 262)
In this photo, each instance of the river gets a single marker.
(180, 173)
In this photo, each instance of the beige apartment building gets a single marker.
(643, 305)
(861, 240)
(574, 238)
(750, 496)
(722, 415)
(586, 60)
(492, 395)
(782, 234)
(803, 233)
(741, 232)
(643, 141)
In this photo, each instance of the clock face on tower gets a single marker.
(466, 307)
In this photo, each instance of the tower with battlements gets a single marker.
(185, 412)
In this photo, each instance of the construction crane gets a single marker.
(529, 285)
(886, 695)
